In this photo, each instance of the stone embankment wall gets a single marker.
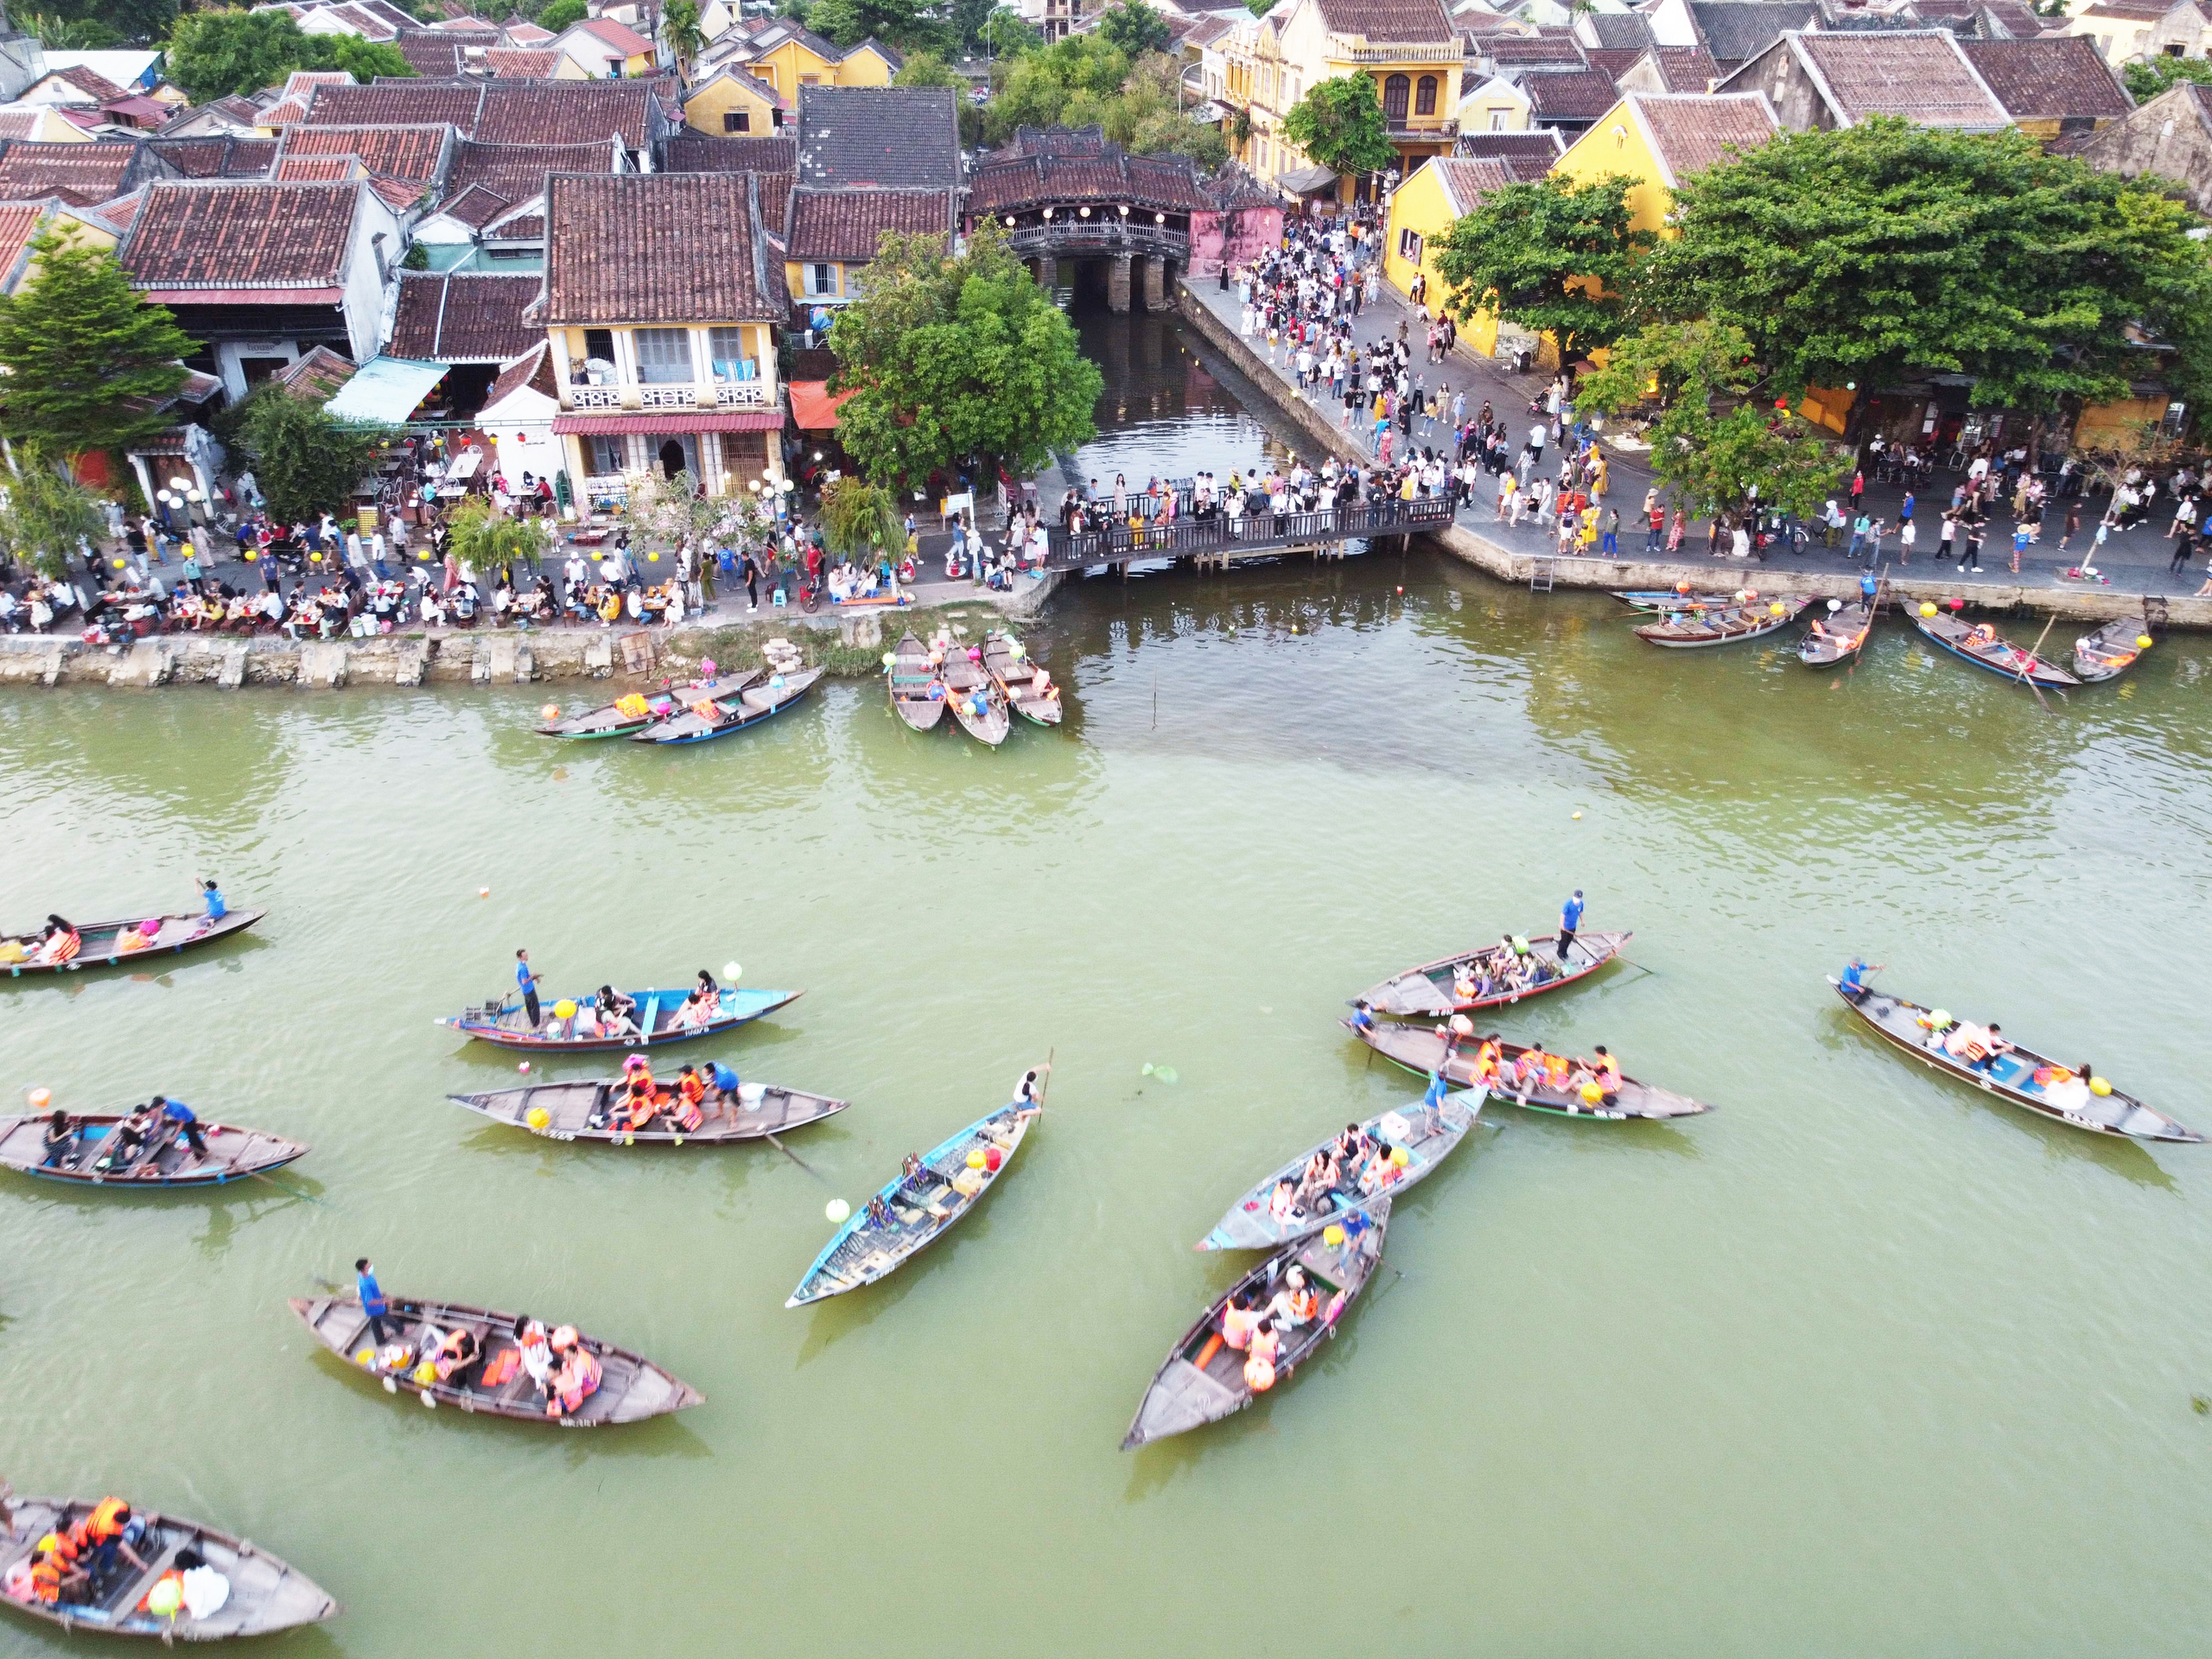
(2073, 604)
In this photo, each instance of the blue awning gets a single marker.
(386, 391)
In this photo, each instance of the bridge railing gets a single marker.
(1254, 532)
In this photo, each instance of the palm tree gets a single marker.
(679, 32)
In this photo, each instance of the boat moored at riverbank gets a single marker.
(2110, 651)
(726, 715)
(1688, 630)
(1839, 637)
(1982, 645)
(638, 710)
(917, 691)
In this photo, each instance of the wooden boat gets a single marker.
(1686, 631)
(1984, 647)
(2046, 1087)
(1427, 990)
(578, 1111)
(505, 1025)
(978, 702)
(919, 1210)
(630, 714)
(1009, 667)
(166, 1161)
(1428, 1138)
(101, 942)
(1838, 637)
(265, 1594)
(916, 692)
(1666, 599)
(1203, 1379)
(2110, 651)
(721, 716)
(1421, 1049)
(631, 1387)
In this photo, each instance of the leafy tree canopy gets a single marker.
(1035, 89)
(1889, 250)
(75, 25)
(927, 69)
(991, 25)
(215, 54)
(560, 14)
(951, 358)
(907, 24)
(86, 359)
(1340, 123)
(858, 518)
(2146, 79)
(1135, 26)
(306, 463)
(1554, 256)
(44, 513)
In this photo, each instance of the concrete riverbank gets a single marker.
(1518, 560)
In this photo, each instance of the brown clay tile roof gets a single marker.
(1518, 51)
(240, 235)
(411, 152)
(566, 112)
(847, 225)
(520, 62)
(529, 228)
(317, 170)
(657, 247)
(1613, 59)
(463, 317)
(1691, 131)
(1920, 74)
(1569, 94)
(1063, 165)
(527, 33)
(2039, 80)
(1736, 31)
(19, 222)
(396, 103)
(488, 180)
(76, 172)
(1526, 156)
(122, 212)
(399, 194)
(894, 137)
(700, 152)
(1685, 68)
(223, 157)
(21, 121)
(1469, 180)
(534, 368)
(94, 86)
(616, 37)
(1391, 21)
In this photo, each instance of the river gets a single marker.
(1860, 1363)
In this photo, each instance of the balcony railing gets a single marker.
(1110, 235)
(594, 397)
(741, 394)
(684, 395)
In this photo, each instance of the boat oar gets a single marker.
(2034, 655)
(292, 1192)
(795, 1158)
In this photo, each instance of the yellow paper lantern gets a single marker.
(426, 1373)
(118, 565)
(564, 1009)
(537, 1117)
(1333, 1236)
(976, 1160)
(1592, 1094)
(1927, 608)
(365, 1356)
(2143, 642)
(2099, 1086)
(653, 558)
(1775, 609)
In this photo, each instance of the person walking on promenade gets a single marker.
(1680, 529)
(2073, 523)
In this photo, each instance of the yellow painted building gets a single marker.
(731, 103)
(1657, 139)
(1496, 106)
(785, 57)
(1422, 211)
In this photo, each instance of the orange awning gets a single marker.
(813, 408)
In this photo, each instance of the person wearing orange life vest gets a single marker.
(1296, 1303)
(1260, 1355)
(55, 1576)
(1609, 1075)
(1486, 1058)
(576, 1373)
(1528, 1068)
(110, 1530)
(633, 1101)
(690, 1112)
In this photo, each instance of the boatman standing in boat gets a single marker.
(1570, 918)
(373, 1299)
(216, 908)
(527, 982)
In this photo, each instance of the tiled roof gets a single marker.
(611, 37)
(365, 22)
(524, 34)
(317, 170)
(399, 195)
(1684, 68)
(1613, 60)
(1468, 182)
(317, 375)
(19, 222)
(437, 53)
(1921, 75)
(223, 157)
(1397, 22)
(521, 62)
(396, 103)
(1526, 156)
(1569, 94)
(97, 88)
(657, 247)
(897, 137)
(1205, 29)
(700, 152)
(476, 206)
(240, 235)
(410, 152)
(1063, 165)
(1734, 30)
(284, 113)
(463, 317)
(301, 83)
(2064, 77)
(847, 225)
(513, 174)
(1619, 29)
(567, 113)
(534, 368)
(1691, 131)
(1520, 51)
(22, 121)
(531, 227)
(76, 172)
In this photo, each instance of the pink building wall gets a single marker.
(1240, 235)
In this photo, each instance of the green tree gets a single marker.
(562, 13)
(1068, 82)
(86, 359)
(1715, 433)
(858, 517)
(907, 24)
(306, 462)
(72, 34)
(484, 538)
(1135, 27)
(954, 359)
(1005, 33)
(2147, 78)
(365, 60)
(78, 23)
(214, 53)
(1887, 250)
(45, 512)
(680, 32)
(1340, 124)
(1554, 256)
(927, 69)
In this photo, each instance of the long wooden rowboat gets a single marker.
(1722, 627)
(1984, 647)
(1427, 990)
(2110, 651)
(507, 1025)
(264, 1594)
(2061, 1095)
(99, 945)
(1203, 1379)
(978, 702)
(578, 1111)
(918, 1210)
(916, 692)
(1666, 599)
(1838, 637)
(639, 710)
(1420, 1049)
(1428, 1138)
(1009, 667)
(631, 1387)
(732, 714)
(165, 1161)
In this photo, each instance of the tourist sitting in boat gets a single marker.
(60, 1141)
(59, 942)
(108, 1531)
(125, 1141)
(1321, 1178)
(687, 1111)
(537, 1353)
(1282, 1203)
(1529, 1067)
(1982, 636)
(1351, 1145)
(451, 1351)
(54, 1577)
(1296, 1303)
(138, 935)
(618, 1014)
(1383, 1171)
(698, 1008)
(1238, 1317)
(635, 1102)
(1608, 1071)
(1260, 1355)
(575, 1374)
(1464, 989)
(1486, 1058)
(1976, 1045)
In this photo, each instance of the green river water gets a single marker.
(1861, 1362)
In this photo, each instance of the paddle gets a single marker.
(2032, 657)
(795, 1158)
(292, 1192)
